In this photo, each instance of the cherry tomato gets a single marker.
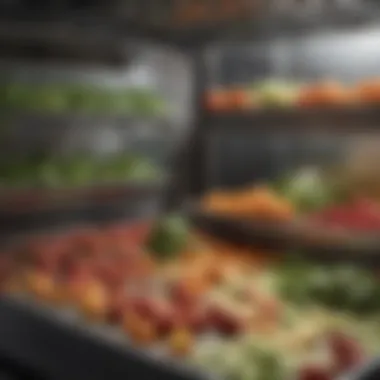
(117, 304)
(225, 321)
(346, 352)
(197, 320)
(166, 319)
(314, 373)
(186, 293)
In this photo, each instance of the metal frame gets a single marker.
(41, 343)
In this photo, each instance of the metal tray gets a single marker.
(355, 118)
(322, 244)
(28, 200)
(137, 207)
(43, 338)
(161, 21)
(38, 336)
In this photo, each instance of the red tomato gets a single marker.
(87, 243)
(49, 258)
(143, 306)
(197, 320)
(166, 319)
(160, 312)
(78, 270)
(346, 352)
(314, 373)
(111, 274)
(225, 321)
(137, 233)
(361, 215)
(185, 294)
(117, 303)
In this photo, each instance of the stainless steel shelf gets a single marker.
(106, 24)
(331, 119)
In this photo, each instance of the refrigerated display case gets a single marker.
(233, 141)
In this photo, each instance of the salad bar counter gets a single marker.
(275, 281)
(170, 299)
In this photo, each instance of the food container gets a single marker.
(42, 338)
(37, 337)
(319, 243)
(104, 206)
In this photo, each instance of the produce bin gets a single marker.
(38, 332)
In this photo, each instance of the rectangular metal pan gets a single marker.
(64, 348)
(132, 203)
(290, 236)
(58, 344)
(19, 201)
(44, 338)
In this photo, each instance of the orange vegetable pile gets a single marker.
(256, 202)
(322, 94)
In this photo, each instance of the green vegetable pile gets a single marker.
(307, 190)
(77, 171)
(276, 93)
(246, 360)
(345, 288)
(64, 98)
(169, 236)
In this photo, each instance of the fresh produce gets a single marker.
(368, 91)
(42, 285)
(93, 300)
(327, 94)
(278, 94)
(65, 98)
(307, 189)
(230, 100)
(169, 236)
(361, 216)
(140, 330)
(77, 171)
(268, 319)
(344, 288)
(217, 100)
(181, 342)
(256, 202)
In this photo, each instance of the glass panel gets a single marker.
(343, 56)
(239, 159)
